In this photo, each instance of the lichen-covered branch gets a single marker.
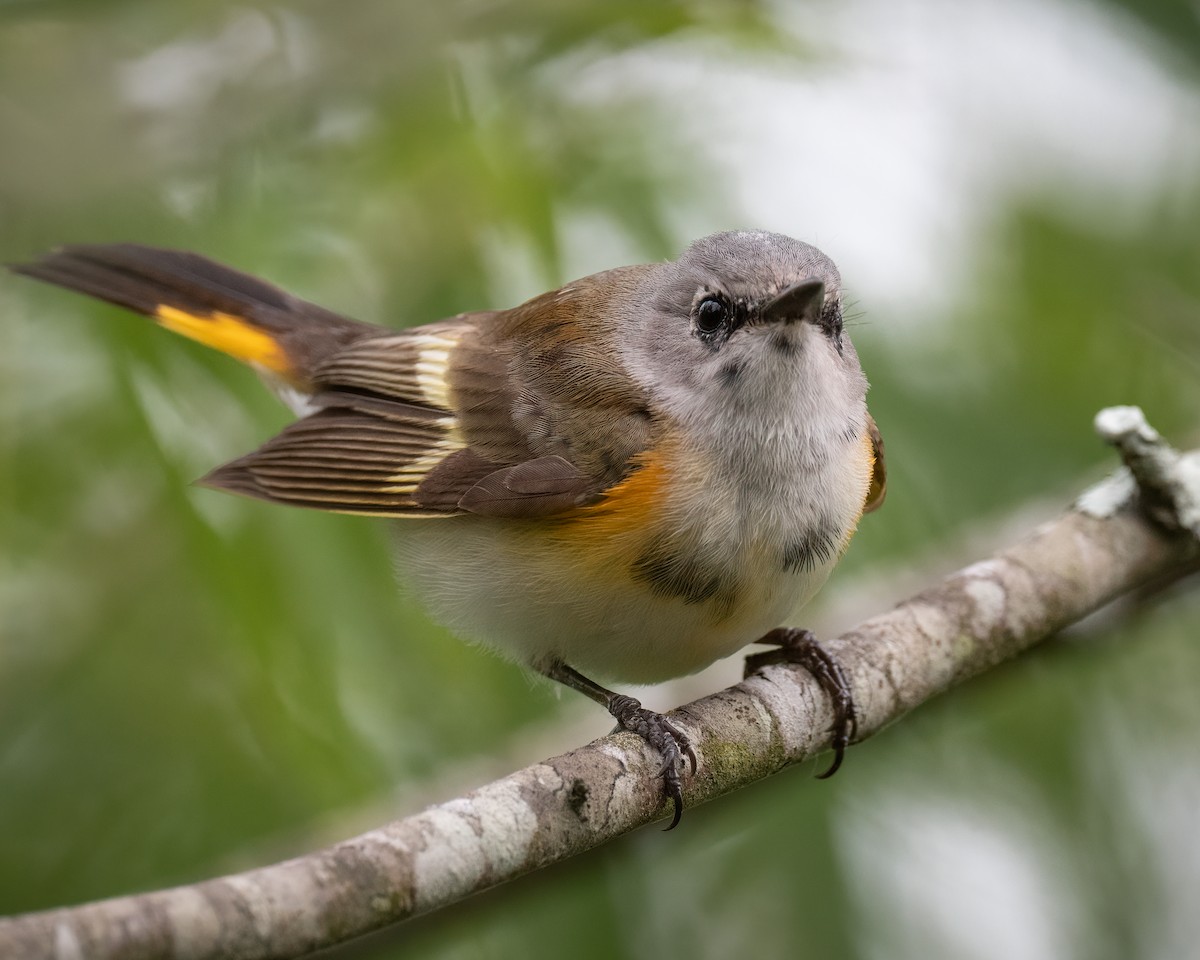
(972, 620)
(1167, 481)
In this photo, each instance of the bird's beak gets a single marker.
(801, 301)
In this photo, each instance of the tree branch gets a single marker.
(988, 612)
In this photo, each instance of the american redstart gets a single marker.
(628, 477)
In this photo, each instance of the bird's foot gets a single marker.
(669, 741)
(798, 646)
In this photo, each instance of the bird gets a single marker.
(621, 480)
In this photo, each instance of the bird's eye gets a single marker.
(711, 315)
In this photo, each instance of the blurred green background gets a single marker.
(192, 683)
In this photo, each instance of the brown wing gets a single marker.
(453, 417)
(878, 489)
(387, 440)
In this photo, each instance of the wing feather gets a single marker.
(451, 418)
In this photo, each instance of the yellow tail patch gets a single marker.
(229, 334)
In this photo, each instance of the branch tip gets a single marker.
(1168, 482)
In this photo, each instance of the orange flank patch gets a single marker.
(229, 334)
(606, 530)
(876, 483)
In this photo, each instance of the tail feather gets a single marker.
(223, 308)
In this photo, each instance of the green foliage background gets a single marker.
(191, 684)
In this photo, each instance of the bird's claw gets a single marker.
(671, 743)
(801, 647)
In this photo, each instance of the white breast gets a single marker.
(511, 586)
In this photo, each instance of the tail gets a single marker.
(233, 312)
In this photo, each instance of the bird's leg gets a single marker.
(670, 742)
(794, 645)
